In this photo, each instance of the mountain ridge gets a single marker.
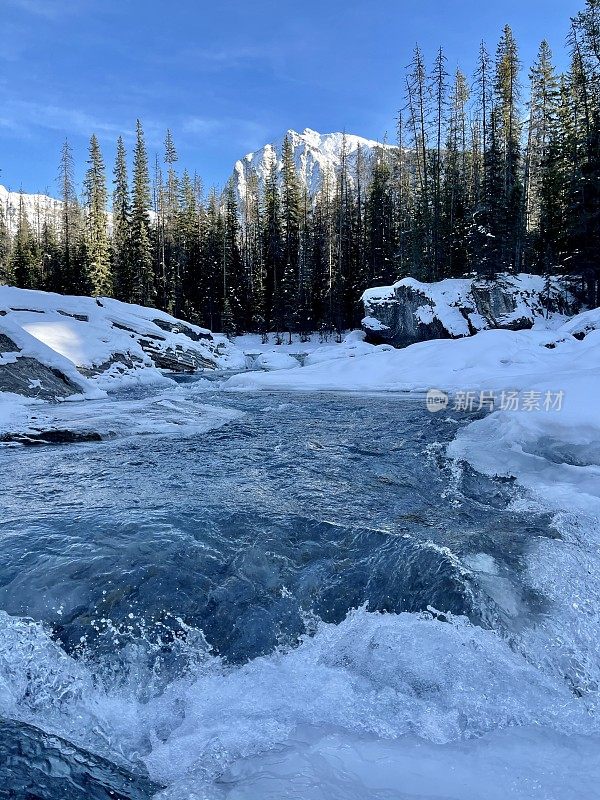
(316, 155)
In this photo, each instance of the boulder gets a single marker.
(40, 765)
(30, 368)
(411, 311)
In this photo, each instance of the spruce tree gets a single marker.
(96, 240)
(143, 279)
(122, 267)
(541, 157)
(6, 274)
(72, 274)
(272, 247)
(291, 216)
(507, 144)
(170, 213)
(210, 281)
(235, 292)
(24, 268)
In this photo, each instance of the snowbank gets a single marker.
(556, 454)
(490, 360)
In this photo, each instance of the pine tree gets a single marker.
(211, 273)
(143, 283)
(189, 237)
(97, 243)
(584, 189)
(507, 132)
(253, 256)
(50, 257)
(541, 155)
(458, 200)
(438, 91)
(417, 98)
(380, 222)
(235, 290)
(291, 216)
(272, 248)
(171, 253)
(6, 273)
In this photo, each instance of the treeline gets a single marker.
(488, 174)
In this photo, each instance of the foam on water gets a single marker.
(374, 676)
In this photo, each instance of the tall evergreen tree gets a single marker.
(122, 267)
(272, 247)
(541, 156)
(97, 243)
(143, 281)
(235, 289)
(71, 278)
(24, 267)
(507, 132)
(6, 274)
(291, 217)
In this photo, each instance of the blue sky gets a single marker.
(226, 76)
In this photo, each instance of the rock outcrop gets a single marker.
(410, 311)
(30, 368)
(107, 342)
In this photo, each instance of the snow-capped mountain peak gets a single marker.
(316, 155)
(39, 208)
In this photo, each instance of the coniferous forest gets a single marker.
(487, 173)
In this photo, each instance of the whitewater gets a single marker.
(306, 595)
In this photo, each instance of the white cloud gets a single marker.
(22, 116)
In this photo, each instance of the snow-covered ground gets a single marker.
(493, 360)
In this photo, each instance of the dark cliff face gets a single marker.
(400, 321)
(411, 312)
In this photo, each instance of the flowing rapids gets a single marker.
(314, 575)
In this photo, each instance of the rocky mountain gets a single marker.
(315, 154)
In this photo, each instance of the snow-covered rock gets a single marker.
(411, 311)
(582, 324)
(30, 368)
(106, 341)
